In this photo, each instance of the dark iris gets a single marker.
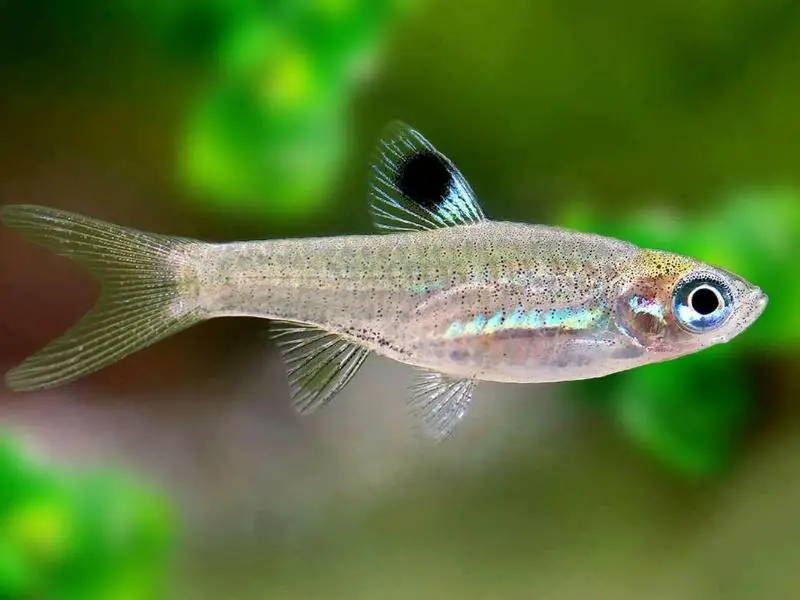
(704, 301)
(701, 304)
(425, 179)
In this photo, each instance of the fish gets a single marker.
(439, 286)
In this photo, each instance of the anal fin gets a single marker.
(319, 363)
(440, 402)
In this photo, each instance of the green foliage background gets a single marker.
(82, 536)
(672, 124)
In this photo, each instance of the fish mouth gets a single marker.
(759, 301)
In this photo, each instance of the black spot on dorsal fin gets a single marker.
(425, 178)
(415, 187)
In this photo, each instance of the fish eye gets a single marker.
(701, 304)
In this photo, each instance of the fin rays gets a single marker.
(140, 300)
(440, 402)
(319, 363)
(414, 187)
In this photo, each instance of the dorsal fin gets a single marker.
(415, 187)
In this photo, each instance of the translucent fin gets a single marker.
(414, 187)
(140, 299)
(319, 363)
(440, 402)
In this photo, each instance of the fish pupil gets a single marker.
(704, 301)
(425, 179)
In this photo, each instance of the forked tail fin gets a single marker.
(146, 293)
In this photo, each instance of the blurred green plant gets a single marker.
(691, 413)
(270, 133)
(78, 537)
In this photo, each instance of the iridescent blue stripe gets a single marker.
(494, 323)
(565, 318)
(515, 318)
(455, 330)
(475, 327)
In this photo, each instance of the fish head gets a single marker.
(673, 305)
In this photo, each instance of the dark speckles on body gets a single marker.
(398, 294)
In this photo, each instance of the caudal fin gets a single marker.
(145, 294)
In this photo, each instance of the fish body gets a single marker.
(459, 296)
(492, 301)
